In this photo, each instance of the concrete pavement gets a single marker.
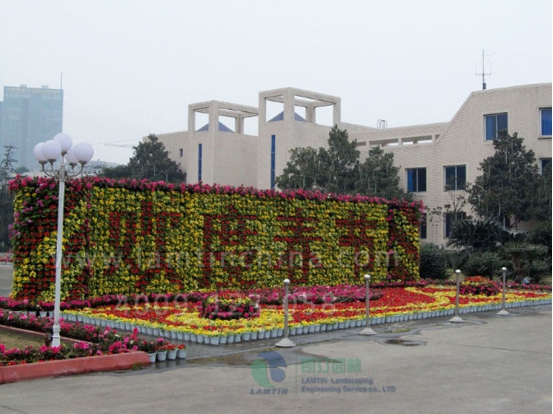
(489, 364)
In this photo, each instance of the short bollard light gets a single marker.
(457, 318)
(503, 311)
(285, 342)
(368, 330)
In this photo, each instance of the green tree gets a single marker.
(6, 199)
(339, 164)
(151, 161)
(506, 190)
(301, 171)
(337, 169)
(331, 170)
(378, 176)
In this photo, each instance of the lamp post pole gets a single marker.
(285, 342)
(368, 330)
(504, 311)
(457, 318)
(47, 153)
(59, 252)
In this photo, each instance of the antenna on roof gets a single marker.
(61, 80)
(483, 74)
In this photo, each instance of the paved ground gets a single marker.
(6, 271)
(488, 364)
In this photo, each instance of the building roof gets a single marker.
(280, 117)
(222, 128)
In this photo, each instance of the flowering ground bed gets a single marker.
(182, 320)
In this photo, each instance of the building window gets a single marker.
(545, 115)
(495, 123)
(181, 152)
(455, 177)
(273, 160)
(199, 162)
(422, 227)
(450, 219)
(416, 180)
(544, 163)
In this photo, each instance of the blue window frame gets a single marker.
(545, 121)
(416, 180)
(273, 160)
(422, 227)
(496, 123)
(455, 177)
(450, 219)
(199, 162)
(544, 163)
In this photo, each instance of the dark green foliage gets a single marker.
(302, 170)
(337, 170)
(432, 262)
(150, 161)
(510, 189)
(456, 259)
(6, 199)
(487, 264)
(527, 260)
(379, 177)
(477, 236)
(541, 235)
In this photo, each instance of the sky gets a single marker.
(131, 68)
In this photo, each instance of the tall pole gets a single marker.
(368, 330)
(503, 311)
(47, 153)
(59, 252)
(457, 318)
(285, 342)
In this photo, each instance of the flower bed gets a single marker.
(183, 320)
(91, 341)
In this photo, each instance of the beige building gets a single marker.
(217, 149)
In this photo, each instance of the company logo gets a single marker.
(268, 371)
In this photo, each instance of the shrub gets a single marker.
(487, 264)
(480, 235)
(456, 259)
(432, 262)
(526, 259)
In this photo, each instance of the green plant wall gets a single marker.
(128, 236)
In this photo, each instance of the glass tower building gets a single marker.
(29, 116)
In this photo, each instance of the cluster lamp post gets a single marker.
(72, 160)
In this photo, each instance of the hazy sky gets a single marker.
(131, 68)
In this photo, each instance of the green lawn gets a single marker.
(19, 340)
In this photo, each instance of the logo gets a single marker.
(268, 371)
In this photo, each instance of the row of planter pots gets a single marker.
(294, 330)
(167, 355)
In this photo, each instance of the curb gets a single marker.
(87, 365)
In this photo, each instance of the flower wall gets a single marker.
(128, 236)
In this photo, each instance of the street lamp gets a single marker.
(72, 160)
(503, 311)
(368, 330)
(457, 318)
(285, 342)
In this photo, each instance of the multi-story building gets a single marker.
(29, 116)
(434, 159)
